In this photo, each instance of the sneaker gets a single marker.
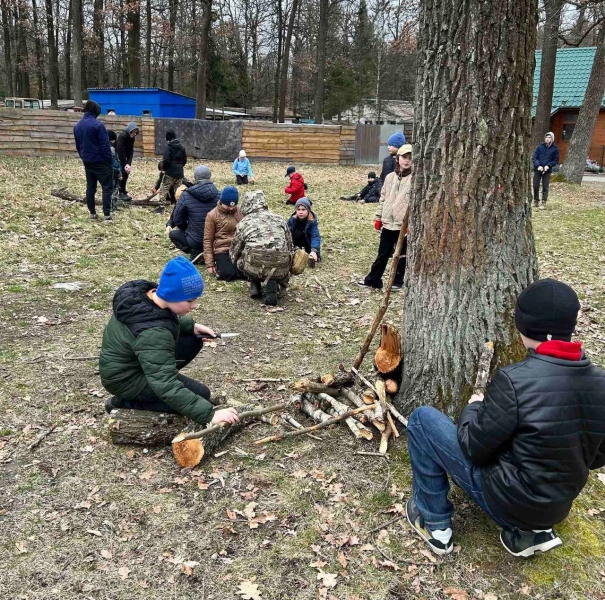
(107, 218)
(255, 290)
(362, 283)
(271, 290)
(125, 197)
(396, 288)
(542, 205)
(526, 543)
(159, 210)
(94, 216)
(113, 403)
(416, 520)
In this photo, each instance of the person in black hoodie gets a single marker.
(370, 193)
(174, 161)
(190, 213)
(125, 150)
(524, 450)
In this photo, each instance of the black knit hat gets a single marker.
(371, 175)
(112, 135)
(170, 135)
(547, 308)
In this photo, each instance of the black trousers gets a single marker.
(386, 247)
(225, 269)
(187, 348)
(241, 179)
(98, 173)
(179, 238)
(545, 177)
(124, 180)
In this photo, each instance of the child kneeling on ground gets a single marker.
(305, 229)
(149, 338)
(523, 452)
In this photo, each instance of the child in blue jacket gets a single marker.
(242, 169)
(305, 230)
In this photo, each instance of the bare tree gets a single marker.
(322, 36)
(133, 26)
(284, 66)
(78, 50)
(202, 67)
(471, 246)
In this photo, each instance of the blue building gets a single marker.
(145, 102)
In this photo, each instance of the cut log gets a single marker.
(315, 413)
(391, 386)
(382, 393)
(306, 385)
(350, 422)
(369, 397)
(388, 355)
(338, 379)
(341, 409)
(143, 427)
(327, 400)
(485, 360)
(384, 440)
(392, 424)
(65, 194)
(358, 402)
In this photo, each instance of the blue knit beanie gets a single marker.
(397, 139)
(180, 281)
(230, 196)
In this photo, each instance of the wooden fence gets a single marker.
(50, 133)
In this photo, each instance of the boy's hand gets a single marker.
(168, 229)
(540, 168)
(476, 398)
(203, 331)
(313, 255)
(225, 415)
(546, 168)
(212, 270)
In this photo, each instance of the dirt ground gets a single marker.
(301, 519)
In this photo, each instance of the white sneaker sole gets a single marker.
(437, 551)
(545, 547)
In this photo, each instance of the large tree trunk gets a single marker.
(172, 43)
(67, 57)
(547, 70)
(322, 37)
(39, 60)
(99, 35)
(283, 89)
(78, 50)
(575, 161)
(6, 36)
(148, 43)
(21, 20)
(280, 37)
(134, 43)
(471, 247)
(202, 65)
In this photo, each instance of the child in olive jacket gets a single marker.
(149, 338)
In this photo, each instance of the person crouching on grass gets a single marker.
(304, 229)
(524, 450)
(149, 338)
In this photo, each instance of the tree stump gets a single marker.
(144, 427)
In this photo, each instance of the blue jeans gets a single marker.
(434, 454)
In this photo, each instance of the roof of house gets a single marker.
(571, 77)
(138, 89)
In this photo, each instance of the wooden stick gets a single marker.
(306, 385)
(315, 413)
(65, 357)
(65, 194)
(264, 379)
(323, 287)
(334, 403)
(382, 393)
(485, 359)
(397, 414)
(42, 436)
(351, 423)
(358, 402)
(269, 419)
(393, 428)
(196, 435)
(384, 440)
(364, 380)
(283, 435)
(341, 409)
(296, 425)
(387, 293)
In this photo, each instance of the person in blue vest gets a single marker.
(545, 159)
(242, 169)
(92, 144)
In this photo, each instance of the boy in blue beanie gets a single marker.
(149, 338)
(390, 162)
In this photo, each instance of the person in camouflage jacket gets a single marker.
(262, 247)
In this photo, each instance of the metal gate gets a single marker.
(367, 143)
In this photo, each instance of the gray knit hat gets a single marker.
(304, 201)
(202, 172)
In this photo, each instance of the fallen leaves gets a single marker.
(21, 549)
(248, 590)
(123, 572)
(601, 477)
(456, 593)
(328, 580)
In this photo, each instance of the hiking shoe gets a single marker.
(271, 291)
(94, 216)
(107, 218)
(159, 210)
(526, 543)
(113, 403)
(362, 283)
(416, 520)
(396, 288)
(125, 197)
(255, 290)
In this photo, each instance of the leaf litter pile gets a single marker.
(308, 517)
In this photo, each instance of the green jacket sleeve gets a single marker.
(186, 325)
(154, 349)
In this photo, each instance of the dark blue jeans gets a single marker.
(99, 173)
(435, 453)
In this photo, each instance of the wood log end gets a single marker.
(391, 386)
(369, 397)
(366, 434)
(187, 453)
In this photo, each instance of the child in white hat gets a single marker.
(242, 169)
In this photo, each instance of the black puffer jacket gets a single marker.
(538, 432)
(371, 192)
(388, 166)
(175, 159)
(192, 208)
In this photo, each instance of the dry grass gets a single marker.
(80, 518)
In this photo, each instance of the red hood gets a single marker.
(561, 349)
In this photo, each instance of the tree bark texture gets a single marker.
(202, 67)
(172, 43)
(470, 242)
(6, 35)
(143, 427)
(322, 36)
(39, 60)
(547, 70)
(78, 50)
(283, 86)
(575, 161)
(67, 58)
(22, 54)
(134, 43)
(99, 36)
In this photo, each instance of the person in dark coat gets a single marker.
(390, 162)
(544, 159)
(149, 338)
(524, 450)
(125, 150)
(370, 193)
(190, 213)
(304, 228)
(92, 144)
(174, 161)
(158, 184)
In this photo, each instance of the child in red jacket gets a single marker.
(297, 186)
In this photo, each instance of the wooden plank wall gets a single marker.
(50, 132)
(299, 143)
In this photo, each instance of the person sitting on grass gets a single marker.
(150, 338)
(242, 169)
(218, 233)
(368, 194)
(190, 213)
(524, 450)
(304, 228)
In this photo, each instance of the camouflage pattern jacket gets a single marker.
(262, 231)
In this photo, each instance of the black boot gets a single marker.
(255, 290)
(271, 293)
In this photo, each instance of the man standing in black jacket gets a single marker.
(523, 452)
(174, 161)
(125, 151)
